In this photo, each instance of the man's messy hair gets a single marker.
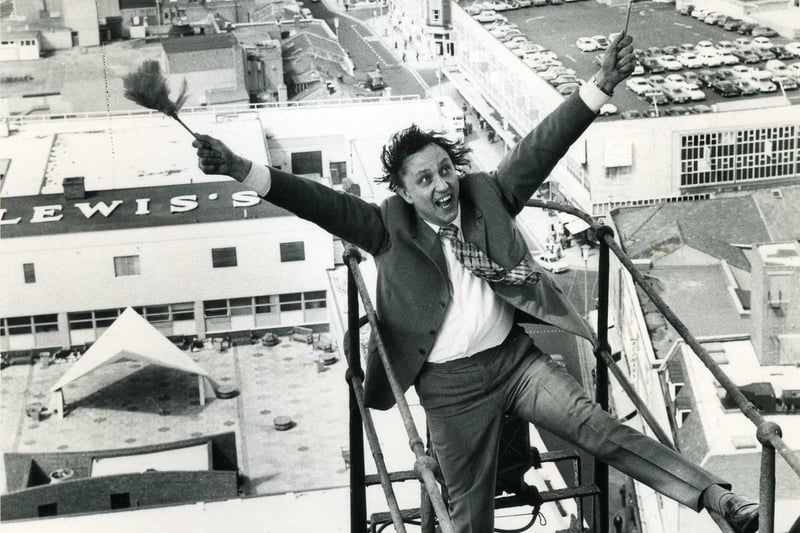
(411, 140)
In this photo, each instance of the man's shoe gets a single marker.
(741, 514)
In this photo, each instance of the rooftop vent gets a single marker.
(776, 193)
(74, 188)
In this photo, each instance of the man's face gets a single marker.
(430, 183)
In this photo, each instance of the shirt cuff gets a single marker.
(592, 96)
(258, 179)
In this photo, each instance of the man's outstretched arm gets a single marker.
(525, 167)
(343, 215)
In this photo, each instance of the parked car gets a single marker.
(675, 80)
(781, 52)
(713, 18)
(674, 94)
(763, 31)
(761, 43)
(476, 8)
(786, 82)
(763, 78)
(657, 81)
(729, 59)
(699, 14)
(743, 43)
(515, 42)
(745, 56)
(669, 63)
(564, 78)
(631, 114)
(793, 48)
(704, 44)
(777, 67)
(745, 28)
(638, 85)
(671, 50)
(498, 5)
(794, 70)
(686, 47)
(686, 9)
(652, 66)
(706, 76)
(692, 80)
(700, 109)
(725, 88)
(607, 109)
(690, 60)
(487, 15)
(602, 42)
(746, 86)
(764, 54)
(741, 71)
(523, 3)
(552, 263)
(586, 44)
(725, 46)
(732, 24)
(678, 110)
(654, 51)
(710, 57)
(695, 94)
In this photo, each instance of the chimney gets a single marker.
(74, 188)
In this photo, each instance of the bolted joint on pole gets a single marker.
(423, 463)
(602, 231)
(766, 430)
(602, 345)
(349, 375)
(351, 251)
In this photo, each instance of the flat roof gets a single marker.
(780, 253)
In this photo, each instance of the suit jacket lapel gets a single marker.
(473, 224)
(429, 243)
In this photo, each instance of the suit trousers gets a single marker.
(465, 401)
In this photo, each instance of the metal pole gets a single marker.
(766, 511)
(358, 492)
(601, 468)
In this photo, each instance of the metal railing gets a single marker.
(768, 433)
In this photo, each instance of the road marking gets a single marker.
(540, 17)
(682, 25)
(571, 58)
(370, 39)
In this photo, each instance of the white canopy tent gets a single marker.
(130, 337)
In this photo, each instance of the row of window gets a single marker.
(168, 313)
(129, 265)
(23, 42)
(603, 209)
(743, 155)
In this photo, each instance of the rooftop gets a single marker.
(780, 254)
(198, 43)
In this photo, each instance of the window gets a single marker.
(241, 306)
(82, 320)
(183, 311)
(29, 272)
(314, 300)
(223, 257)
(307, 163)
(126, 265)
(120, 501)
(291, 302)
(293, 251)
(48, 509)
(105, 317)
(156, 313)
(19, 325)
(435, 14)
(338, 171)
(264, 304)
(213, 308)
(43, 323)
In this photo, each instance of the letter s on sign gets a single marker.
(245, 199)
(182, 204)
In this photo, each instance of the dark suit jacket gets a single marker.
(413, 289)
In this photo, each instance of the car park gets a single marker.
(690, 60)
(586, 44)
(515, 42)
(669, 62)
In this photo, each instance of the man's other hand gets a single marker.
(618, 63)
(216, 158)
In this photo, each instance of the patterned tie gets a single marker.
(479, 263)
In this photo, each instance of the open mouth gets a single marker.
(445, 202)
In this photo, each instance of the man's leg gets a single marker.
(464, 425)
(546, 395)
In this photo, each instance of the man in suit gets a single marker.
(455, 283)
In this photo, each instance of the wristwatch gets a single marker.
(593, 81)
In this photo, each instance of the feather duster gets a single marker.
(148, 88)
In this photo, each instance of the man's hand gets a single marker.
(216, 158)
(618, 63)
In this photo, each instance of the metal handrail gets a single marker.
(424, 465)
(768, 433)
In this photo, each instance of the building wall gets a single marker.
(19, 48)
(175, 264)
(82, 17)
(774, 311)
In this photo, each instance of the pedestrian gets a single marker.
(490, 135)
(417, 55)
(481, 122)
(439, 244)
(378, 66)
(404, 57)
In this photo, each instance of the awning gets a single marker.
(576, 226)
